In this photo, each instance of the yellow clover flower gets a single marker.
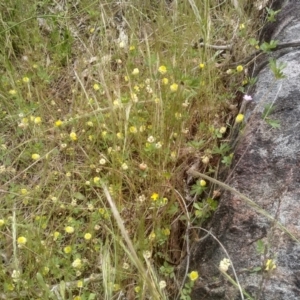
(162, 70)
(87, 236)
(135, 71)
(152, 236)
(37, 120)
(24, 191)
(58, 123)
(68, 249)
(12, 92)
(35, 156)
(96, 180)
(133, 129)
(96, 87)
(69, 229)
(194, 275)
(26, 79)
(174, 87)
(154, 196)
(73, 136)
(56, 234)
(77, 264)
(202, 182)
(165, 81)
(239, 118)
(239, 68)
(21, 240)
(270, 265)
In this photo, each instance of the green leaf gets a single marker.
(255, 269)
(273, 123)
(78, 196)
(92, 296)
(260, 247)
(222, 150)
(42, 283)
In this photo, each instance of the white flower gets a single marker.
(124, 166)
(77, 263)
(147, 254)
(162, 284)
(102, 161)
(247, 98)
(224, 265)
(16, 275)
(125, 266)
(151, 139)
(158, 145)
(141, 198)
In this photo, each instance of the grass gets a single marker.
(100, 118)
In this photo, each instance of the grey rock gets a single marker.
(265, 169)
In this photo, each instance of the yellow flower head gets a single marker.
(162, 70)
(69, 229)
(21, 240)
(174, 87)
(37, 120)
(270, 265)
(96, 87)
(202, 183)
(73, 136)
(152, 236)
(56, 234)
(242, 26)
(166, 231)
(87, 236)
(26, 79)
(239, 118)
(58, 123)
(68, 249)
(124, 166)
(165, 81)
(77, 264)
(12, 92)
(239, 68)
(201, 66)
(154, 196)
(35, 156)
(135, 71)
(96, 180)
(133, 129)
(194, 275)
(24, 191)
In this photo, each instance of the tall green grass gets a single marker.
(91, 100)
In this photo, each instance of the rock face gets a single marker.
(266, 169)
